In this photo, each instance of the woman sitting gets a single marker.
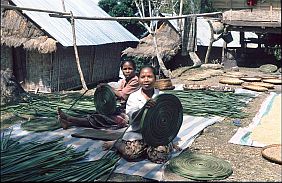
(132, 146)
(117, 120)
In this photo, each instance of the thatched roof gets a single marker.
(168, 41)
(17, 30)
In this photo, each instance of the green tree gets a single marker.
(123, 8)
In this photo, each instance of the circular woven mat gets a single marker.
(194, 87)
(268, 77)
(200, 167)
(254, 87)
(105, 100)
(273, 81)
(266, 85)
(41, 124)
(250, 78)
(221, 88)
(272, 153)
(161, 123)
(231, 81)
(234, 75)
(268, 68)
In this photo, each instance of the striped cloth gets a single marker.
(188, 132)
(243, 135)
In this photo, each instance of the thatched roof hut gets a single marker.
(17, 31)
(39, 48)
(168, 41)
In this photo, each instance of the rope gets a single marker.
(105, 100)
(200, 166)
(161, 123)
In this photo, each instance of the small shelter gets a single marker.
(39, 49)
(168, 41)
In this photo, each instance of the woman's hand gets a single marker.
(150, 103)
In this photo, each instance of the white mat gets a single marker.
(242, 136)
(188, 132)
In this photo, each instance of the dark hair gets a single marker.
(129, 61)
(148, 66)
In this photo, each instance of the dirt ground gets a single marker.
(247, 162)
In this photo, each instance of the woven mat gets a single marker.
(272, 153)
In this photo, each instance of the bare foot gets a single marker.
(65, 124)
(107, 145)
(61, 114)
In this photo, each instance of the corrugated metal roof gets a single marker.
(88, 32)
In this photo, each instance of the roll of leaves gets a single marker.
(200, 167)
(105, 100)
(41, 124)
(161, 123)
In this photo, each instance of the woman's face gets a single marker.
(128, 70)
(147, 78)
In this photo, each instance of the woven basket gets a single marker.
(164, 84)
(272, 153)
(266, 85)
(254, 87)
(231, 81)
(272, 81)
(250, 78)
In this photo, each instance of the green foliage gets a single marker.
(123, 8)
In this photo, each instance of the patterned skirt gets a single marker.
(137, 150)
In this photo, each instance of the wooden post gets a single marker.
(185, 37)
(76, 54)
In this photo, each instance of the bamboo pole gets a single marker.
(76, 54)
(135, 18)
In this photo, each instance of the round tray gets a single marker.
(272, 81)
(254, 87)
(231, 81)
(272, 153)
